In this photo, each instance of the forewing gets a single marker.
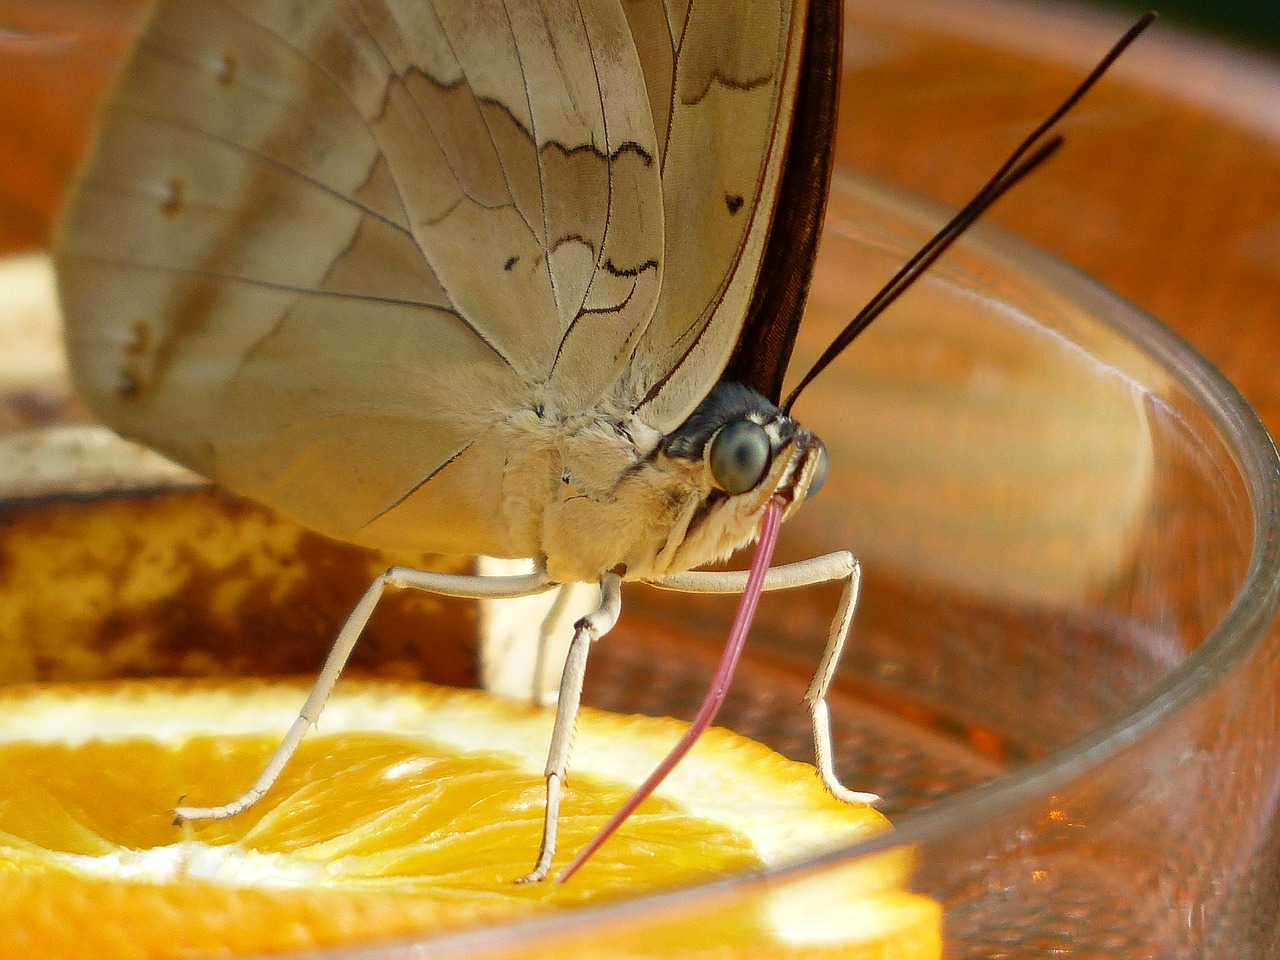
(763, 352)
(735, 70)
(321, 247)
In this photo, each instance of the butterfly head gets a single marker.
(744, 452)
(646, 504)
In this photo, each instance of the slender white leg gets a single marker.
(828, 568)
(447, 584)
(585, 632)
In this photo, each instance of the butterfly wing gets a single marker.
(736, 70)
(321, 248)
(764, 345)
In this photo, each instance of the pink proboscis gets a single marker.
(711, 704)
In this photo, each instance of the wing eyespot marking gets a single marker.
(121, 263)
(226, 72)
(127, 387)
(225, 69)
(134, 378)
(173, 197)
(262, 158)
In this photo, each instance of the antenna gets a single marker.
(1033, 151)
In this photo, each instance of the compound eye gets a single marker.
(819, 472)
(740, 455)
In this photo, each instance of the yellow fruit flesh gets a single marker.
(370, 835)
(351, 810)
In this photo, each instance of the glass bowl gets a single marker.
(1059, 678)
(1063, 676)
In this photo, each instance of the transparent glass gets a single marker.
(1064, 676)
(1060, 678)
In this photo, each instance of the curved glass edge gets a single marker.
(1243, 627)
(1240, 632)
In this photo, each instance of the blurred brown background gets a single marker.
(1255, 23)
(1168, 189)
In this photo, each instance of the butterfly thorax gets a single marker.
(604, 492)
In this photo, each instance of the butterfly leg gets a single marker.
(586, 631)
(447, 584)
(829, 568)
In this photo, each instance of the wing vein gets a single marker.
(266, 160)
(416, 487)
(537, 151)
(488, 127)
(610, 158)
(328, 78)
(394, 77)
(230, 278)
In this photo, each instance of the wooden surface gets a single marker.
(1168, 190)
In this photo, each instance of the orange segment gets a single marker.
(410, 811)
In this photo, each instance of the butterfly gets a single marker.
(517, 278)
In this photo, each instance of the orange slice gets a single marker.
(409, 812)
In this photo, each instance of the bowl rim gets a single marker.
(1242, 629)
(1244, 625)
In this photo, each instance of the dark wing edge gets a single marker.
(765, 342)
